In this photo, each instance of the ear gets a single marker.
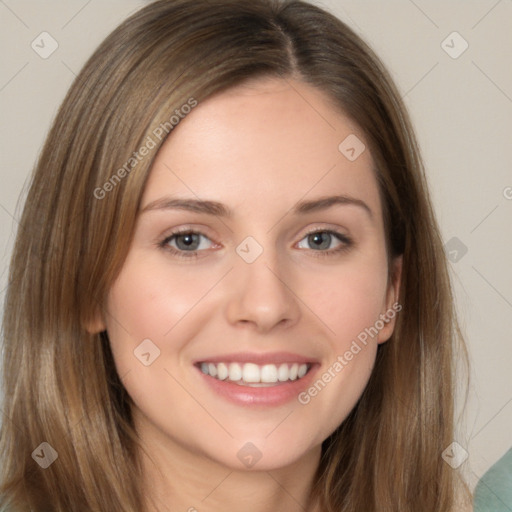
(96, 324)
(391, 305)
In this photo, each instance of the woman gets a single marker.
(229, 289)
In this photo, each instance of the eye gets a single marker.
(186, 243)
(325, 241)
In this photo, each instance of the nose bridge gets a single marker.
(260, 294)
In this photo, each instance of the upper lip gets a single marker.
(257, 358)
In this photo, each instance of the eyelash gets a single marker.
(181, 254)
(346, 243)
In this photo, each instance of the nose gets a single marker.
(261, 296)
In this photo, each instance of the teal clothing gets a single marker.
(494, 490)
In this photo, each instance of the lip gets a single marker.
(258, 358)
(259, 396)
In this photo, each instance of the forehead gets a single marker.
(267, 143)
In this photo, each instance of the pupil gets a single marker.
(320, 240)
(187, 241)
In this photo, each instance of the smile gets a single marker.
(255, 375)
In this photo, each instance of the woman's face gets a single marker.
(259, 255)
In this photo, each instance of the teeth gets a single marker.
(212, 369)
(235, 372)
(302, 371)
(250, 373)
(222, 371)
(283, 372)
(268, 373)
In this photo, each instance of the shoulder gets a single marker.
(494, 490)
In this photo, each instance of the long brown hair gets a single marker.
(60, 383)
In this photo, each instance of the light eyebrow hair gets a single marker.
(193, 205)
(221, 210)
(323, 203)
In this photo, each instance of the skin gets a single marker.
(258, 149)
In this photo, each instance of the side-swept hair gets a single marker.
(60, 382)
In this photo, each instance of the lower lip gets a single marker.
(266, 396)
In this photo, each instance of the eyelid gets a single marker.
(163, 243)
(342, 234)
(188, 228)
(325, 229)
(346, 241)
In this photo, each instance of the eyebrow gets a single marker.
(221, 210)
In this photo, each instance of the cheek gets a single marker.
(347, 299)
(147, 301)
(348, 302)
(148, 325)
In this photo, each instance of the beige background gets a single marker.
(462, 110)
